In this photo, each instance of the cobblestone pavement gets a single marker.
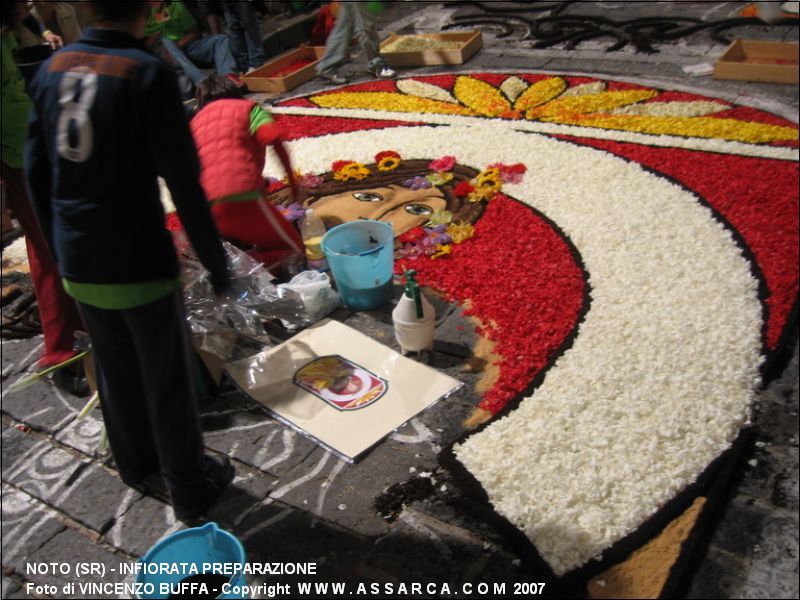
(293, 501)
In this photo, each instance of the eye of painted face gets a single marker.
(368, 196)
(418, 210)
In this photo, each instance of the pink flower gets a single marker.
(443, 164)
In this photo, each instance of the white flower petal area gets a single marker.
(661, 374)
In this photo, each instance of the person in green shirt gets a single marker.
(58, 313)
(177, 29)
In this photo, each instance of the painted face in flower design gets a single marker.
(404, 208)
(670, 320)
(403, 197)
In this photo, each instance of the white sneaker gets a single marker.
(383, 72)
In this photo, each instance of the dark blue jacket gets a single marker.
(107, 120)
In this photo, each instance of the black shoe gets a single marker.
(333, 77)
(219, 474)
(134, 477)
(71, 381)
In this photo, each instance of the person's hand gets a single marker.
(53, 39)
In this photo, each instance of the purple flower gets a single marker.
(441, 239)
(436, 235)
(417, 183)
(293, 212)
(410, 251)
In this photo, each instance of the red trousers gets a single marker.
(57, 311)
(258, 226)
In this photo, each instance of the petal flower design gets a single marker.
(481, 97)
(572, 106)
(513, 87)
(540, 93)
(596, 87)
(389, 101)
(422, 89)
(551, 100)
(703, 127)
(694, 108)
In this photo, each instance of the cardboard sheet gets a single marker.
(338, 386)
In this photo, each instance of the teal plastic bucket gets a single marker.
(211, 549)
(361, 257)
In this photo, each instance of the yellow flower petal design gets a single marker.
(695, 108)
(541, 92)
(481, 97)
(388, 101)
(703, 127)
(549, 100)
(573, 106)
(596, 87)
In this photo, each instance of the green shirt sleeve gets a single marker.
(180, 22)
(14, 106)
(155, 22)
(258, 117)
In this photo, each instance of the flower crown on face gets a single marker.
(483, 187)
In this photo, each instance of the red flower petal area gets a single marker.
(295, 66)
(534, 267)
(301, 126)
(757, 196)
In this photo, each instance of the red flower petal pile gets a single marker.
(527, 291)
(295, 66)
(463, 189)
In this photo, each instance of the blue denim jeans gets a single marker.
(213, 50)
(244, 33)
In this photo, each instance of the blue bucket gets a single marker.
(206, 547)
(361, 257)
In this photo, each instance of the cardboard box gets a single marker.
(471, 42)
(264, 80)
(748, 60)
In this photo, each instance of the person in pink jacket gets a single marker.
(231, 134)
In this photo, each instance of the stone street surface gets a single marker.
(62, 501)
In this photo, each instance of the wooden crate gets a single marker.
(749, 60)
(262, 79)
(471, 42)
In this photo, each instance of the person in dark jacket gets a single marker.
(107, 120)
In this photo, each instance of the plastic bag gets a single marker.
(318, 297)
(232, 326)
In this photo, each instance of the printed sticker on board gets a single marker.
(341, 383)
